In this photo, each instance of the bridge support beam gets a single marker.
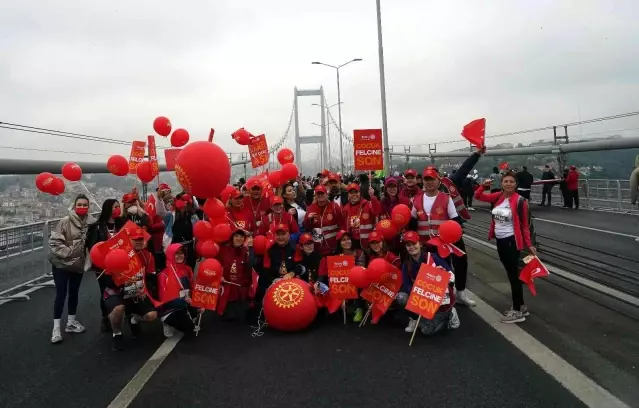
(321, 140)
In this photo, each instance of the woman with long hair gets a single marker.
(509, 226)
(378, 249)
(293, 205)
(67, 245)
(108, 224)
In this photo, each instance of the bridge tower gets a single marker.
(321, 139)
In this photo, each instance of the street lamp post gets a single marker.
(339, 105)
(382, 86)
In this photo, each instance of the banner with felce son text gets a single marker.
(369, 149)
(121, 240)
(206, 289)
(138, 149)
(338, 268)
(258, 150)
(381, 295)
(429, 291)
(153, 155)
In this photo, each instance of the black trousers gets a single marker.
(468, 199)
(524, 193)
(509, 257)
(102, 284)
(460, 266)
(180, 320)
(546, 192)
(573, 198)
(66, 283)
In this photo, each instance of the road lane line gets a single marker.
(617, 294)
(133, 388)
(576, 382)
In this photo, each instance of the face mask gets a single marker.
(133, 210)
(116, 212)
(82, 211)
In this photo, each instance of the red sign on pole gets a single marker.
(206, 288)
(169, 156)
(153, 155)
(138, 149)
(429, 291)
(338, 268)
(258, 149)
(369, 149)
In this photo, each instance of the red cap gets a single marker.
(129, 197)
(280, 227)
(164, 186)
(253, 183)
(341, 234)
(431, 172)
(410, 172)
(276, 200)
(179, 204)
(235, 194)
(352, 187)
(326, 173)
(320, 189)
(137, 233)
(305, 238)
(390, 181)
(375, 237)
(411, 236)
(334, 177)
(187, 198)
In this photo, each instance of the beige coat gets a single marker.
(67, 243)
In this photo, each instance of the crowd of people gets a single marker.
(306, 220)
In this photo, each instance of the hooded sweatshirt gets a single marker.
(634, 182)
(171, 281)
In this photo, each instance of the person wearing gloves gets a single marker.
(68, 255)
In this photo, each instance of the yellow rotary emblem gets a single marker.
(329, 217)
(385, 223)
(288, 295)
(439, 210)
(182, 177)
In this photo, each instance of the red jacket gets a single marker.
(271, 219)
(407, 194)
(174, 277)
(360, 220)
(572, 180)
(241, 218)
(324, 223)
(156, 229)
(522, 233)
(237, 269)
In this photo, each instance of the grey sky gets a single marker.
(108, 68)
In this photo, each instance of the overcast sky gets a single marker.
(107, 68)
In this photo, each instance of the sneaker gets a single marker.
(513, 316)
(105, 325)
(168, 330)
(462, 298)
(74, 326)
(454, 322)
(56, 335)
(359, 315)
(524, 310)
(412, 325)
(117, 342)
(471, 209)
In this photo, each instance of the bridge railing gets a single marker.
(597, 194)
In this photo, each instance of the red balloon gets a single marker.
(289, 305)
(359, 277)
(179, 138)
(71, 171)
(211, 265)
(377, 268)
(44, 182)
(116, 261)
(118, 165)
(203, 230)
(57, 187)
(450, 232)
(226, 193)
(400, 215)
(217, 221)
(259, 245)
(97, 257)
(275, 178)
(145, 172)
(387, 229)
(242, 136)
(162, 126)
(289, 172)
(222, 233)
(207, 249)
(285, 156)
(203, 169)
(214, 208)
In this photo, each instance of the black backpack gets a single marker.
(531, 225)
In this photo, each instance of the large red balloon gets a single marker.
(144, 170)
(203, 169)
(179, 138)
(377, 268)
(44, 182)
(275, 178)
(222, 233)
(116, 261)
(226, 193)
(118, 165)
(57, 187)
(387, 229)
(71, 171)
(400, 215)
(97, 257)
(285, 156)
(450, 232)
(359, 277)
(289, 172)
(207, 249)
(214, 208)
(162, 126)
(242, 136)
(289, 305)
(203, 230)
(259, 245)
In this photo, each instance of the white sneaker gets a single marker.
(74, 326)
(454, 322)
(56, 335)
(412, 324)
(471, 209)
(168, 330)
(462, 298)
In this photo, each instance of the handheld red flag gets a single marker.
(475, 132)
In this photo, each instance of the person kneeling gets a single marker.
(446, 316)
(173, 289)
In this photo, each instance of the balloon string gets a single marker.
(90, 195)
(258, 331)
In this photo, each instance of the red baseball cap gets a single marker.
(341, 234)
(137, 233)
(305, 238)
(179, 204)
(375, 237)
(235, 194)
(334, 177)
(410, 172)
(187, 198)
(164, 186)
(320, 189)
(431, 173)
(276, 200)
(411, 236)
(253, 183)
(280, 227)
(352, 187)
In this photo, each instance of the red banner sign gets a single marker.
(258, 149)
(153, 155)
(429, 291)
(121, 240)
(369, 149)
(381, 295)
(169, 156)
(138, 149)
(206, 288)
(338, 268)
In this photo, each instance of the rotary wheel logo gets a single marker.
(182, 177)
(288, 295)
(385, 223)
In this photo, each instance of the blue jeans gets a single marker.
(65, 282)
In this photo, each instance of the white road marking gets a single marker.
(133, 388)
(582, 387)
(617, 294)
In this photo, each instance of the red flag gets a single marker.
(223, 300)
(475, 132)
(503, 165)
(254, 280)
(328, 301)
(533, 269)
(445, 250)
(211, 133)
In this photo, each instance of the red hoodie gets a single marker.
(174, 278)
(237, 269)
(156, 229)
(360, 220)
(572, 180)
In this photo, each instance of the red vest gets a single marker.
(457, 199)
(428, 226)
(324, 226)
(360, 220)
(270, 220)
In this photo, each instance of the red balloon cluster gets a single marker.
(359, 277)
(162, 126)
(289, 305)
(71, 171)
(118, 165)
(203, 230)
(50, 184)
